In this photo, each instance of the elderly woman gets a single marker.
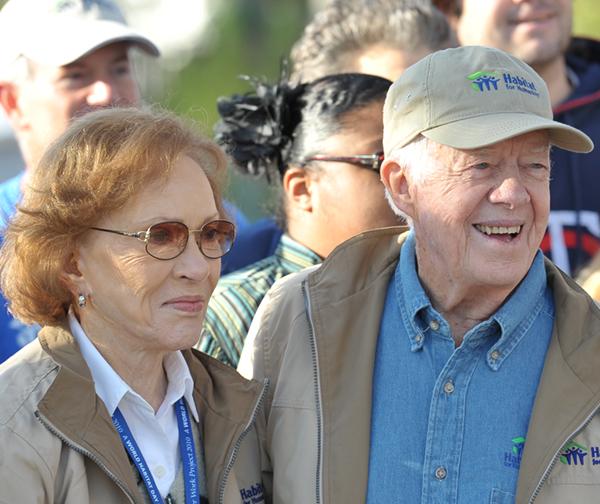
(115, 251)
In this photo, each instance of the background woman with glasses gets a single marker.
(116, 251)
(320, 145)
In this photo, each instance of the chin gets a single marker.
(182, 336)
(502, 276)
(183, 343)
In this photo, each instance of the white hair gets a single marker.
(418, 160)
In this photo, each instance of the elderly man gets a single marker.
(451, 363)
(539, 33)
(58, 59)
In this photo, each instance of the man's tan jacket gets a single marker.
(58, 443)
(315, 337)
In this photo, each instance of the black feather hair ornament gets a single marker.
(257, 128)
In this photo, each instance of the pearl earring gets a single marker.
(81, 300)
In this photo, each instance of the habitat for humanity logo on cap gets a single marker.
(492, 80)
(484, 81)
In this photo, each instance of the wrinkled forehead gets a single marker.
(533, 143)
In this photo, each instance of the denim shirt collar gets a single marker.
(508, 325)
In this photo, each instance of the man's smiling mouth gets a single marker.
(499, 231)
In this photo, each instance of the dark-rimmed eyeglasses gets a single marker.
(372, 161)
(167, 240)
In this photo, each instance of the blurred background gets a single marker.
(207, 45)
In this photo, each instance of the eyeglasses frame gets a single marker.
(144, 236)
(371, 161)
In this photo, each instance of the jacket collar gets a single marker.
(568, 393)
(71, 407)
(369, 254)
(226, 403)
(352, 280)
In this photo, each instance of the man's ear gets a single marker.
(9, 101)
(297, 185)
(398, 186)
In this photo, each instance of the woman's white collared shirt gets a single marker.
(157, 435)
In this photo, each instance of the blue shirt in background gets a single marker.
(13, 333)
(10, 194)
(448, 425)
(253, 242)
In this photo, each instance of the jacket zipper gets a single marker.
(238, 443)
(315, 359)
(85, 453)
(544, 477)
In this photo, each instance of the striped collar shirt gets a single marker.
(237, 296)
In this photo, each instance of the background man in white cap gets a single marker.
(58, 59)
(451, 363)
(539, 33)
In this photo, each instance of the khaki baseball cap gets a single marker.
(469, 97)
(58, 32)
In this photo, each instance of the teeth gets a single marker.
(489, 230)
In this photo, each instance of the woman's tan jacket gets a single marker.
(58, 443)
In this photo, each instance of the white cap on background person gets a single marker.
(58, 32)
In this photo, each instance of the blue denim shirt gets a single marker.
(448, 425)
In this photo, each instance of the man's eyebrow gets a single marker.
(121, 57)
(73, 64)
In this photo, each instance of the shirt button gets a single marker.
(441, 473)
(159, 471)
(495, 355)
(448, 387)
(419, 338)
(434, 324)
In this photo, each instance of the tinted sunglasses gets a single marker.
(371, 161)
(167, 240)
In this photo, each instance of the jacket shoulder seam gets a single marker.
(20, 404)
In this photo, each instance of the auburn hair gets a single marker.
(95, 167)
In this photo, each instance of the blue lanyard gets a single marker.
(187, 450)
